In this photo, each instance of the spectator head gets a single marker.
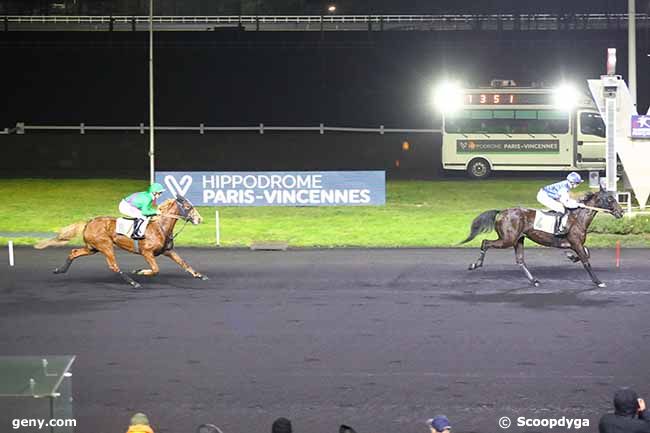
(281, 425)
(439, 424)
(626, 402)
(139, 419)
(139, 424)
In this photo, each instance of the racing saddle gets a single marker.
(551, 222)
(129, 227)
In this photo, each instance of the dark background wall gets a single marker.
(231, 78)
(126, 154)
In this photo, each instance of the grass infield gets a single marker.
(417, 214)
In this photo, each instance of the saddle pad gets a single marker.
(545, 221)
(124, 226)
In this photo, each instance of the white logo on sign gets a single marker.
(643, 122)
(178, 188)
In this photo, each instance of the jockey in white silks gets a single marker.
(557, 198)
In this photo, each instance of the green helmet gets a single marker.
(156, 187)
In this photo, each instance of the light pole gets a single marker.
(151, 126)
(631, 48)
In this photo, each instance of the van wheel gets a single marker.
(478, 169)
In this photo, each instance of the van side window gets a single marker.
(592, 124)
(507, 122)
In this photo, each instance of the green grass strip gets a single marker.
(417, 214)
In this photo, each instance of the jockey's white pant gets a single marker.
(549, 202)
(129, 210)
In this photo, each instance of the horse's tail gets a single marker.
(482, 224)
(65, 235)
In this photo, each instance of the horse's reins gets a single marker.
(176, 217)
(168, 215)
(597, 209)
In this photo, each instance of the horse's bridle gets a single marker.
(598, 209)
(184, 213)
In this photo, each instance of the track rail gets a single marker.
(467, 22)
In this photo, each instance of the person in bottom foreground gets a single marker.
(630, 414)
(140, 424)
(439, 424)
(281, 425)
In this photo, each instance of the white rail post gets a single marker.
(217, 229)
(10, 245)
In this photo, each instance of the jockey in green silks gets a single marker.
(141, 206)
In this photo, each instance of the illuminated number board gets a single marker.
(507, 99)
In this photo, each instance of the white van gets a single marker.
(504, 127)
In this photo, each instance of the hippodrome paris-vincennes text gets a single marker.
(285, 189)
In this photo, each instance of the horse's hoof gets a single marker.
(572, 258)
(472, 267)
(203, 277)
(56, 271)
(601, 285)
(136, 285)
(536, 283)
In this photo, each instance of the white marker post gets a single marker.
(217, 230)
(610, 87)
(10, 244)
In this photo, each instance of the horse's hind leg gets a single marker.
(183, 264)
(519, 256)
(485, 245)
(74, 254)
(112, 264)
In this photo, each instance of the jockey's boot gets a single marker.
(560, 229)
(137, 228)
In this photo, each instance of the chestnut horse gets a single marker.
(99, 236)
(515, 224)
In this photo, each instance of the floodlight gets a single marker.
(448, 97)
(565, 97)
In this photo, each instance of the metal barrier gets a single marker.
(82, 128)
(529, 22)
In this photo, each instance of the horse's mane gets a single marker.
(164, 206)
(588, 196)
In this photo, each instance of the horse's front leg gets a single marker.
(153, 265)
(583, 255)
(574, 257)
(183, 264)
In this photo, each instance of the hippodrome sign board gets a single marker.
(276, 188)
(640, 126)
(508, 146)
